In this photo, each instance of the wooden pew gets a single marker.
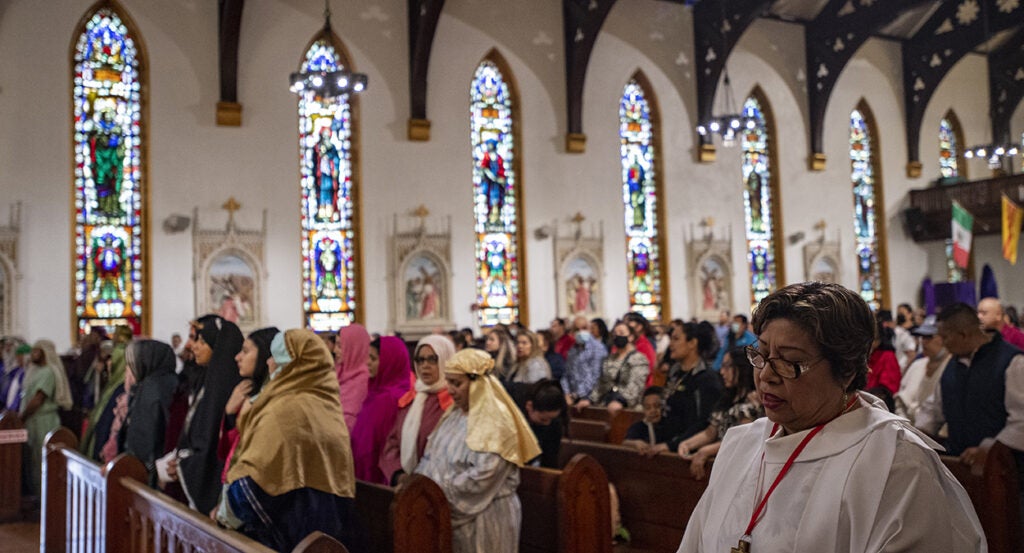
(618, 423)
(577, 521)
(415, 520)
(12, 441)
(645, 487)
(589, 430)
(992, 484)
(92, 508)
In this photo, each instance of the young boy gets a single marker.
(649, 435)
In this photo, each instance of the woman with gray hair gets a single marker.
(849, 475)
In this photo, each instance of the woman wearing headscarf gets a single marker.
(101, 418)
(389, 380)
(352, 354)
(419, 409)
(44, 391)
(254, 368)
(292, 472)
(215, 341)
(475, 453)
(151, 382)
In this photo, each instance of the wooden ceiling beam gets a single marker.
(1006, 85)
(423, 18)
(581, 23)
(229, 30)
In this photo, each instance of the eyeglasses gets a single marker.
(781, 367)
(432, 359)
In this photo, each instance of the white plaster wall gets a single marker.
(195, 164)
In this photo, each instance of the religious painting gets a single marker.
(711, 275)
(330, 241)
(581, 286)
(824, 270)
(866, 211)
(232, 285)
(714, 285)
(423, 292)
(496, 197)
(821, 261)
(109, 200)
(758, 201)
(640, 201)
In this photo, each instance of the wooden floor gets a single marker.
(19, 537)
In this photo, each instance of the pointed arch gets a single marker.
(495, 131)
(332, 283)
(642, 198)
(868, 207)
(761, 198)
(109, 138)
(951, 147)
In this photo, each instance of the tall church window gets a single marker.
(868, 214)
(331, 289)
(637, 153)
(110, 264)
(949, 147)
(497, 194)
(759, 201)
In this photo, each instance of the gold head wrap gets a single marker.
(295, 434)
(496, 425)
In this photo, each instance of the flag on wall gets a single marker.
(962, 224)
(1012, 216)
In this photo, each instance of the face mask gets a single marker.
(735, 328)
(582, 336)
(620, 341)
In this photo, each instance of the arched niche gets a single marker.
(579, 285)
(822, 261)
(420, 280)
(231, 287)
(711, 275)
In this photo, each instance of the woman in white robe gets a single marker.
(867, 481)
(475, 453)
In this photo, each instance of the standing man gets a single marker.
(739, 336)
(992, 317)
(584, 364)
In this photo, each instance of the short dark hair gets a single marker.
(655, 391)
(884, 315)
(742, 318)
(703, 332)
(837, 319)
(547, 395)
(959, 316)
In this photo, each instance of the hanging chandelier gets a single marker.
(327, 84)
(731, 120)
(994, 154)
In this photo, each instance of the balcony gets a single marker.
(930, 213)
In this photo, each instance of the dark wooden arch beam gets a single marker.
(229, 30)
(944, 39)
(581, 23)
(1006, 85)
(832, 39)
(717, 27)
(423, 18)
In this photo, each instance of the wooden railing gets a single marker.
(929, 214)
(11, 446)
(416, 519)
(93, 509)
(992, 484)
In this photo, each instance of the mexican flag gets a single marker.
(1012, 216)
(962, 223)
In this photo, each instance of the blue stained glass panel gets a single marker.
(758, 201)
(869, 267)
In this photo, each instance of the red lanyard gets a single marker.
(754, 519)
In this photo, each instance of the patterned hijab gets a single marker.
(496, 425)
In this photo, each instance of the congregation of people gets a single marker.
(268, 433)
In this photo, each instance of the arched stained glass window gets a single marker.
(868, 214)
(948, 149)
(758, 201)
(497, 195)
(637, 153)
(331, 290)
(109, 175)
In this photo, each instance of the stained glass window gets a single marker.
(757, 201)
(948, 150)
(4, 304)
(640, 198)
(869, 267)
(496, 197)
(109, 171)
(329, 236)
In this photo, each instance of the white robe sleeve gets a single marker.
(1013, 433)
(923, 508)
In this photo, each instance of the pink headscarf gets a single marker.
(353, 374)
(377, 416)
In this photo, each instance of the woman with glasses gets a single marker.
(419, 409)
(829, 468)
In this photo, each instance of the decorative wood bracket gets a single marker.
(954, 30)
(582, 21)
(423, 18)
(1006, 84)
(229, 110)
(717, 27)
(832, 39)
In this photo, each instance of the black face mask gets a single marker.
(620, 341)
(901, 320)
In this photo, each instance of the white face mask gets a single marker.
(582, 336)
(735, 328)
